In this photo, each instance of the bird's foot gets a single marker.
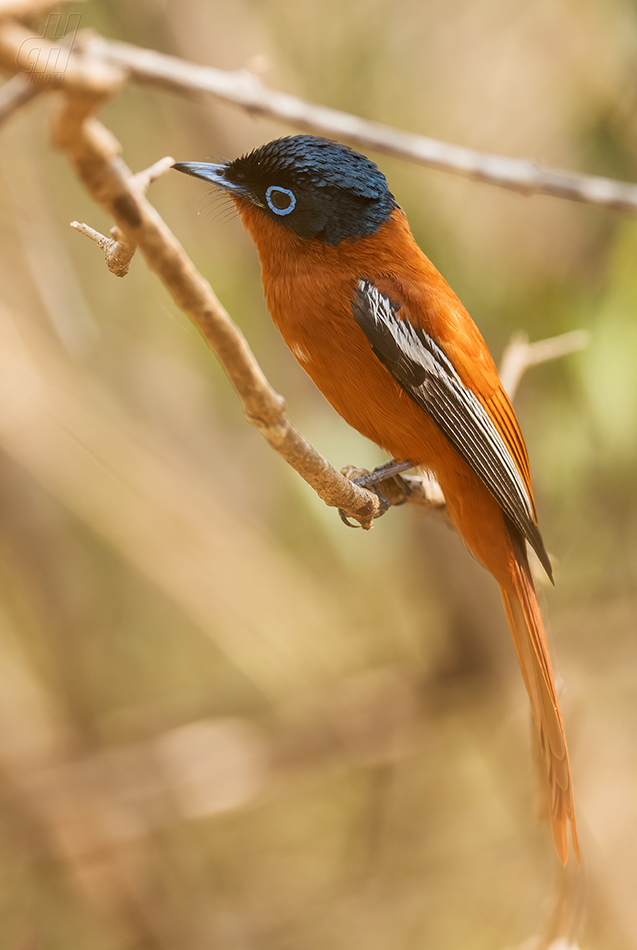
(371, 480)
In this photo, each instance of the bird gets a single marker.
(393, 350)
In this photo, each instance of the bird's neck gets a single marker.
(284, 255)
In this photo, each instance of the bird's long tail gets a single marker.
(527, 630)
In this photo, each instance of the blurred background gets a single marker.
(225, 719)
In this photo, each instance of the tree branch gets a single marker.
(245, 90)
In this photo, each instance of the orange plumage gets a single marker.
(309, 285)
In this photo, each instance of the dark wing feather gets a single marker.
(423, 370)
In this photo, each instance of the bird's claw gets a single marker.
(346, 520)
(383, 505)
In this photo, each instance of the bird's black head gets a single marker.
(315, 187)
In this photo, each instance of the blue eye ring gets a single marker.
(286, 191)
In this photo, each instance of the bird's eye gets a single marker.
(280, 200)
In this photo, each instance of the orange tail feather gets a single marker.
(527, 630)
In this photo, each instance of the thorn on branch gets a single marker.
(118, 250)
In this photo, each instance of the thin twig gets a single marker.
(245, 90)
(145, 178)
(519, 354)
(118, 251)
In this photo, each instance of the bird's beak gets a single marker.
(209, 172)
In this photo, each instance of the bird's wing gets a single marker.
(485, 434)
